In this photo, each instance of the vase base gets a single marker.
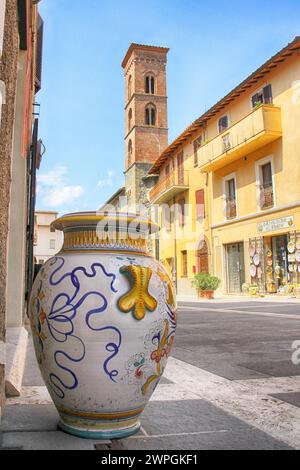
(100, 435)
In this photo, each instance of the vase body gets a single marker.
(103, 318)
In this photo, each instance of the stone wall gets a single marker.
(8, 74)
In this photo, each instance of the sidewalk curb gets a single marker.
(16, 347)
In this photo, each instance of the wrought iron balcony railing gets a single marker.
(266, 196)
(168, 186)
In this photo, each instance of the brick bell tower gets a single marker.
(146, 134)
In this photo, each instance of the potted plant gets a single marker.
(205, 285)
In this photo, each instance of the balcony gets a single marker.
(168, 187)
(257, 129)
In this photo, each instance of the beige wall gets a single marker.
(17, 210)
(8, 71)
(43, 235)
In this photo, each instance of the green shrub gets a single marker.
(204, 281)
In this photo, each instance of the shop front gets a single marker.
(274, 258)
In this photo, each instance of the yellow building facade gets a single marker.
(232, 181)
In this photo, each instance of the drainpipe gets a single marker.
(209, 187)
(31, 209)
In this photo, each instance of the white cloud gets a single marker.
(108, 181)
(54, 190)
(53, 177)
(65, 195)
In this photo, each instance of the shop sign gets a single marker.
(275, 224)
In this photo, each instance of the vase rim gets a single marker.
(112, 220)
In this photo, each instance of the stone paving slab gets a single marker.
(248, 404)
(291, 397)
(188, 424)
(216, 364)
(50, 440)
(227, 440)
(32, 375)
(30, 418)
(273, 368)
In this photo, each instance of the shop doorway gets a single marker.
(280, 274)
(235, 267)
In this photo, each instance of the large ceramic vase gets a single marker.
(103, 318)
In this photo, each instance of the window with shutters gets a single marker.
(150, 84)
(167, 170)
(181, 212)
(223, 123)
(150, 115)
(262, 96)
(229, 187)
(200, 208)
(197, 144)
(265, 183)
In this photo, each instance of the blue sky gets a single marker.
(213, 46)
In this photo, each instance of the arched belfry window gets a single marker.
(150, 84)
(129, 87)
(129, 119)
(150, 115)
(130, 153)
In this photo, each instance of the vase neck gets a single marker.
(93, 240)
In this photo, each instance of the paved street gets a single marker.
(230, 384)
(239, 340)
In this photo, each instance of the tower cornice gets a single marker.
(142, 47)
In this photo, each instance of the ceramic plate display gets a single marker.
(298, 256)
(251, 250)
(291, 247)
(269, 253)
(291, 258)
(291, 268)
(103, 319)
(252, 270)
(298, 244)
(256, 259)
(295, 268)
